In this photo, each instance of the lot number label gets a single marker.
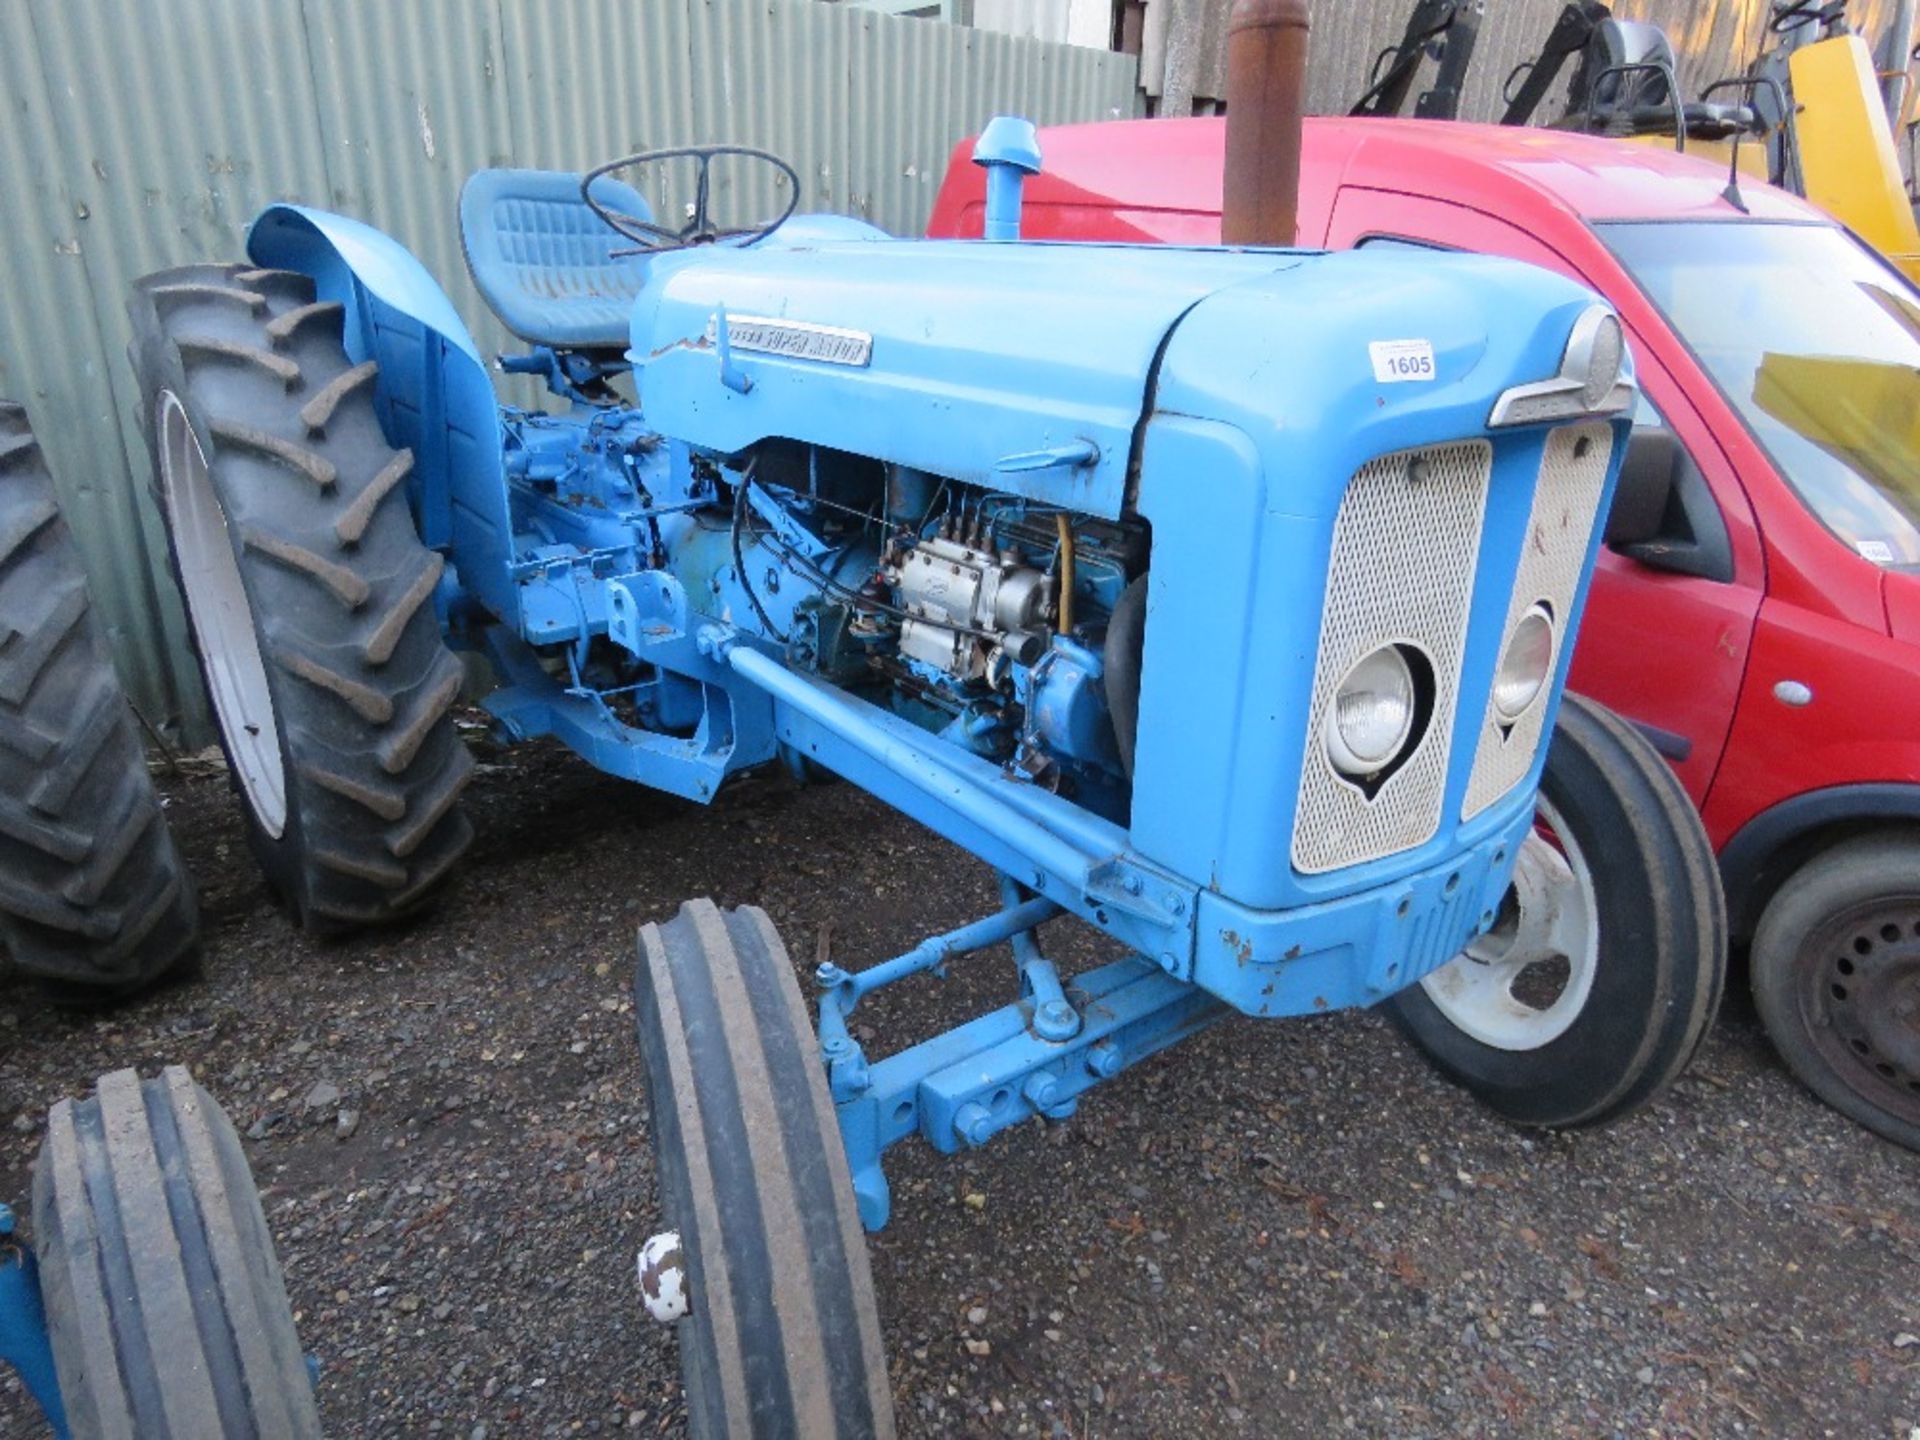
(1398, 360)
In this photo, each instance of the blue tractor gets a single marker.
(1219, 599)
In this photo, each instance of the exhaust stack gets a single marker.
(1266, 97)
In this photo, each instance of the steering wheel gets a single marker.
(650, 238)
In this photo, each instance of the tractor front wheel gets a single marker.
(781, 1336)
(1604, 969)
(310, 599)
(165, 1305)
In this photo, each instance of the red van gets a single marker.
(1757, 608)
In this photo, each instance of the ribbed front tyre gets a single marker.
(781, 1340)
(94, 900)
(164, 1300)
(1605, 967)
(309, 595)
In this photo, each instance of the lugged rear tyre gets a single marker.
(93, 897)
(165, 1304)
(1627, 848)
(308, 592)
(783, 1338)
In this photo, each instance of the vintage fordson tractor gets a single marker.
(1220, 599)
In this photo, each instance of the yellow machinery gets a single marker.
(1811, 117)
(1844, 146)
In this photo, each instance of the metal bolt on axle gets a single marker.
(1040, 1089)
(973, 1123)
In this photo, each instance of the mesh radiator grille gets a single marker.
(1404, 554)
(1566, 500)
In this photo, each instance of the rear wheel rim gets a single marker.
(1548, 932)
(221, 617)
(1859, 1002)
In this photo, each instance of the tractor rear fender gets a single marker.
(433, 392)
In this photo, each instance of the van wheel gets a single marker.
(164, 1301)
(1836, 978)
(1605, 965)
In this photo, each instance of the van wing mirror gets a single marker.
(1663, 514)
(1646, 485)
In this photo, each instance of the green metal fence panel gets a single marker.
(141, 136)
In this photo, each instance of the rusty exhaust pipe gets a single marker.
(1266, 98)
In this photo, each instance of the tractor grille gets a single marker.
(1405, 547)
(1566, 501)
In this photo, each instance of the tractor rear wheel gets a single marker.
(309, 597)
(94, 900)
(1836, 978)
(165, 1305)
(1605, 967)
(781, 1336)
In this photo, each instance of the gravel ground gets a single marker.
(1290, 1229)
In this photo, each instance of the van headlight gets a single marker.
(1524, 664)
(1372, 713)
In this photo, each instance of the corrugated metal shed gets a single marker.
(132, 142)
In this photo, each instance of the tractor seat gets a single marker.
(541, 257)
(1706, 121)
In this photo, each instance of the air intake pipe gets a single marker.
(1266, 98)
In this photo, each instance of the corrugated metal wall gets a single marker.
(139, 136)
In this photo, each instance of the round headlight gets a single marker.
(1524, 664)
(1372, 713)
(1604, 358)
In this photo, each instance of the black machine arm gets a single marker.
(1446, 29)
(1568, 38)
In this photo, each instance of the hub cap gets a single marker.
(1523, 984)
(1860, 1002)
(221, 619)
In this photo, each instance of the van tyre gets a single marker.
(783, 1336)
(94, 900)
(165, 1305)
(1836, 978)
(1606, 965)
(310, 599)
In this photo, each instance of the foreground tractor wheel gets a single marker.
(164, 1301)
(1605, 968)
(93, 897)
(1836, 977)
(781, 1336)
(309, 595)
